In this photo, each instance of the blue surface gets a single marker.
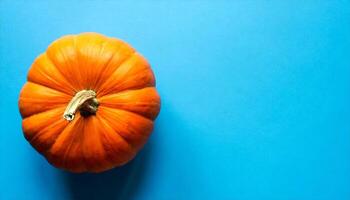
(255, 99)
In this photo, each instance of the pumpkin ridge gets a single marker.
(144, 137)
(126, 90)
(106, 81)
(24, 98)
(77, 57)
(102, 47)
(121, 91)
(105, 65)
(62, 163)
(82, 151)
(89, 166)
(100, 82)
(108, 109)
(59, 50)
(41, 132)
(132, 112)
(47, 85)
(99, 44)
(38, 113)
(51, 79)
(63, 93)
(104, 102)
(81, 77)
(133, 149)
(52, 113)
(132, 88)
(68, 147)
(106, 122)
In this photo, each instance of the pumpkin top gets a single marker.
(89, 103)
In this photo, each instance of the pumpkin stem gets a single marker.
(85, 101)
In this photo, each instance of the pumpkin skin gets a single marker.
(124, 87)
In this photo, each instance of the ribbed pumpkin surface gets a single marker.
(127, 103)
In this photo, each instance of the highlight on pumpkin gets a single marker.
(89, 103)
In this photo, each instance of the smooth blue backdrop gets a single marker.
(255, 99)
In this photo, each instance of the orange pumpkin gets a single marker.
(89, 103)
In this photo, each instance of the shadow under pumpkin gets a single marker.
(118, 183)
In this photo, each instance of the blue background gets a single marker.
(255, 99)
